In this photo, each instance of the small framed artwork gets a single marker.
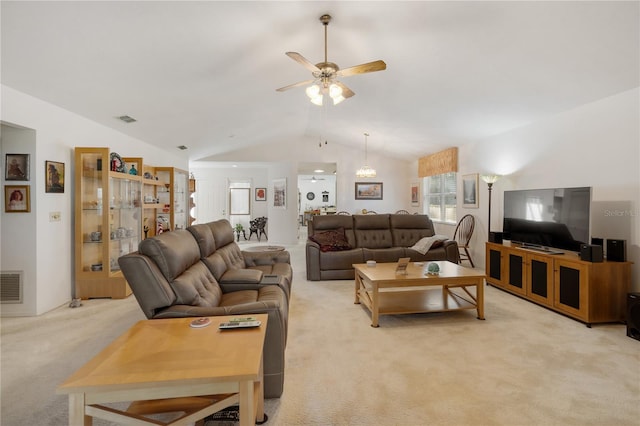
(280, 193)
(16, 199)
(261, 194)
(16, 167)
(368, 190)
(470, 191)
(415, 194)
(54, 177)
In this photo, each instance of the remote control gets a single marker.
(245, 324)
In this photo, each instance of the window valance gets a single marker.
(439, 163)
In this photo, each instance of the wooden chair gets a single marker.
(402, 212)
(344, 213)
(462, 235)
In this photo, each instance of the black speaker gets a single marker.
(495, 237)
(617, 250)
(597, 242)
(633, 315)
(591, 253)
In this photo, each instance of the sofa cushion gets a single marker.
(333, 222)
(331, 240)
(197, 287)
(426, 243)
(407, 229)
(174, 252)
(372, 231)
(204, 236)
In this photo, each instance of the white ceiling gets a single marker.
(203, 74)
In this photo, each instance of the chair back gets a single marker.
(402, 212)
(342, 212)
(464, 230)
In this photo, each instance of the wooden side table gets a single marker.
(140, 366)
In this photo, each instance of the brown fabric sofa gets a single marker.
(201, 271)
(380, 237)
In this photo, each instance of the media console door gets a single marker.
(572, 289)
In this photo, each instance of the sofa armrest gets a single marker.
(313, 260)
(452, 250)
(265, 258)
(267, 280)
(241, 276)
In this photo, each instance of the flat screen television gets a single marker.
(548, 218)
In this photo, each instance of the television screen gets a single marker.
(557, 217)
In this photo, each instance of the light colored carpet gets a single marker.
(524, 365)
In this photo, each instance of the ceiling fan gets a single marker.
(325, 74)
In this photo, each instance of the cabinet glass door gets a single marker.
(90, 226)
(125, 211)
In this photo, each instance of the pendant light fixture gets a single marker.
(366, 171)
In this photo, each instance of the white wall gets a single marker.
(595, 145)
(47, 248)
(394, 173)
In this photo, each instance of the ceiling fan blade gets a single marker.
(303, 61)
(346, 92)
(291, 86)
(378, 65)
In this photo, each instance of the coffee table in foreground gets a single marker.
(384, 292)
(164, 365)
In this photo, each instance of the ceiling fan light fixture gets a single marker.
(313, 91)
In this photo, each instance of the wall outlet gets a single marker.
(54, 216)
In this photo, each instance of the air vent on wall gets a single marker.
(11, 287)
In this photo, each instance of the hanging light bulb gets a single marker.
(314, 93)
(366, 171)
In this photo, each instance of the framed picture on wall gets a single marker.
(16, 167)
(470, 191)
(16, 199)
(280, 193)
(261, 194)
(368, 190)
(54, 177)
(415, 194)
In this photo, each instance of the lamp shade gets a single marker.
(490, 178)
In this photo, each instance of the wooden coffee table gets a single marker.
(164, 365)
(384, 292)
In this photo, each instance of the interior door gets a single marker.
(239, 205)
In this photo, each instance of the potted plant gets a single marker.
(239, 229)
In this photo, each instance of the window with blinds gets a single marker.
(441, 196)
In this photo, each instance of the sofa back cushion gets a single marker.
(197, 287)
(372, 231)
(222, 232)
(177, 256)
(174, 252)
(408, 229)
(204, 237)
(333, 222)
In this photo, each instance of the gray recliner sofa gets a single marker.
(379, 237)
(201, 271)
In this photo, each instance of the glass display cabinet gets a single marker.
(108, 220)
(173, 199)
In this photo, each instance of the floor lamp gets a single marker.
(490, 180)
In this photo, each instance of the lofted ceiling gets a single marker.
(203, 74)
